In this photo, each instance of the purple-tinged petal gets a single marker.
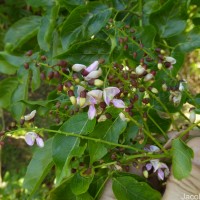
(39, 141)
(118, 103)
(78, 67)
(109, 93)
(80, 89)
(155, 163)
(91, 112)
(30, 116)
(97, 94)
(30, 138)
(149, 166)
(161, 174)
(154, 148)
(93, 66)
(93, 74)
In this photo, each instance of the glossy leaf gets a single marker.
(162, 124)
(181, 159)
(7, 68)
(62, 149)
(192, 41)
(79, 124)
(7, 86)
(64, 192)
(169, 20)
(80, 183)
(35, 81)
(38, 3)
(39, 166)
(108, 131)
(93, 17)
(21, 93)
(128, 188)
(47, 27)
(22, 31)
(87, 51)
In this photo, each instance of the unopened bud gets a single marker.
(98, 82)
(154, 90)
(162, 51)
(145, 173)
(192, 116)
(139, 70)
(72, 97)
(148, 77)
(102, 118)
(160, 66)
(164, 87)
(73, 100)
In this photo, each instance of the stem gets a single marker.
(132, 157)
(102, 186)
(82, 137)
(148, 134)
(164, 134)
(141, 13)
(3, 128)
(188, 129)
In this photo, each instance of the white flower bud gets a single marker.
(30, 116)
(170, 59)
(164, 87)
(192, 116)
(148, 77)
(139, 70)
(78, 67)
(102, 118)
(93, 74)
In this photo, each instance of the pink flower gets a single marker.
(109, 93)
(159, 167)
(92, 97)
(31, 137)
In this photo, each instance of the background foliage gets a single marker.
(61, 33)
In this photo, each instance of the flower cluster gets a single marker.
(31, 136)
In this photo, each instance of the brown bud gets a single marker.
(26, 65)
(43, 57)
(29, 53)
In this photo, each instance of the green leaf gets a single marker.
(39, 166)
(77, 27)
(87, 51)
(108, 131)
(80, 183)
(21, 93)
(181, 159)
(9, 63)
(62, 149)
(47, 26)
(79, 124)
(162, 125)
(71, 2)
(35, 81)
(39, 3)
(192, 41)
(169, 20)
(7, 68)
(7, 86)
(22, 31)
(64, 192)
(128, 188)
